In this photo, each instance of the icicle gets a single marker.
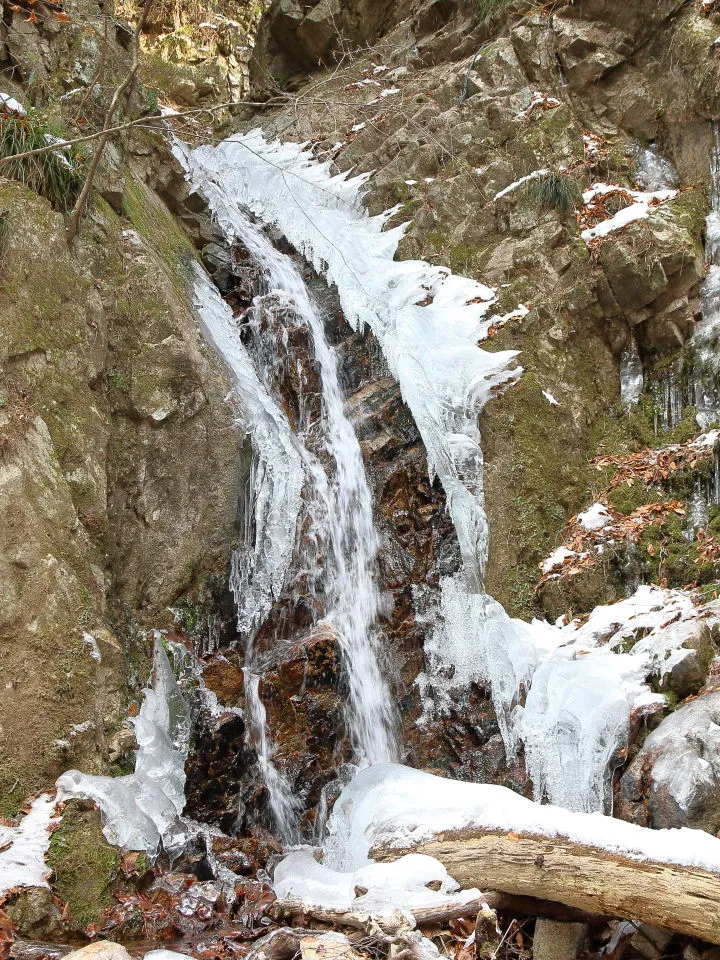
(142, 809)
(631, 375)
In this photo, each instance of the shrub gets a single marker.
(56, 175)
(555, 191)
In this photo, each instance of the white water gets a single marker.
(562, 693)
(284, 806)
(341, 541)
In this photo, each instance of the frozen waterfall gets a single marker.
(340, 540)
(564, 694)
(142, 810)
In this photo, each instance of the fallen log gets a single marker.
(681, 898)
(522, 906)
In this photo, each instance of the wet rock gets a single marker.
(687, 668)
(673, 780)
(34, 915)
(225, 679)
(651, 942)
(224, 786)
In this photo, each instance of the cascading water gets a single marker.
(578, 692)
(283, 805)
(340, 539)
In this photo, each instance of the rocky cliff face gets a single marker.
(115, 428)
(123, 473)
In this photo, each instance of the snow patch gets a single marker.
(23, 848)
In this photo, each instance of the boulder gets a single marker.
(675, 779)
(102, 950)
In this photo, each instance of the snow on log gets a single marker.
(587, 877)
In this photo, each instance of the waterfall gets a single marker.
(336, 552)
(564, 694)
(283, 805)
(340, 506)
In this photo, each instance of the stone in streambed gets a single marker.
(555, 940)
(102, 950)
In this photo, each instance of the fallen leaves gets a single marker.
(6, 935)
(654, 466)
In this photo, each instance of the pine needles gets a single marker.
(56, 175)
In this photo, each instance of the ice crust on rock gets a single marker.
(580, 690)
(427, 320)
(142, 809)
(390, 886)
(23, 848)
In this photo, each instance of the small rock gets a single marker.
(554, 940)
(651, 941)
(102, 950)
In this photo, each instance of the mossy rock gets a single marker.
(85, 866)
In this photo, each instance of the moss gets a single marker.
(626, 499)
(160, 230)
(689, 65)
(535, 506)
(84, 864)
(12, 796)
(669, 556)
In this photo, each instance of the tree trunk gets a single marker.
(684, 899)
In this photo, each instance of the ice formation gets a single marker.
(402, 807)
(687, 746)
(594, 518)
(397, 806)
(427, 320)
(632, 377)
(654, 171)
(23, 848)
(260, 566)
(142, 809)
(10, 103)
(401, 884)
